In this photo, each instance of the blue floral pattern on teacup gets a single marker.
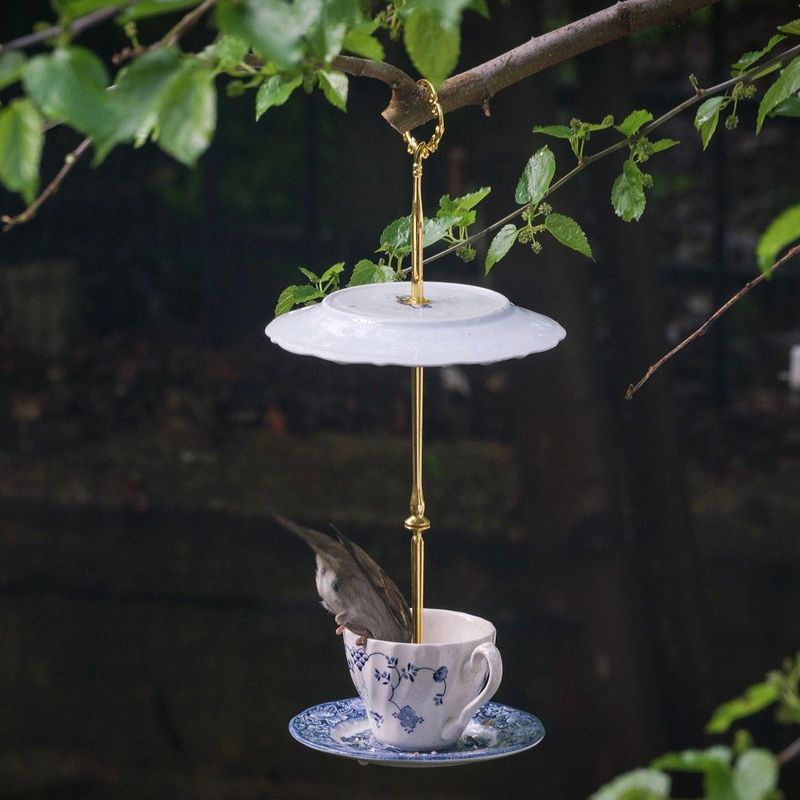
(389, 673)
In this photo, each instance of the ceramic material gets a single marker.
(421, 696)
(341, 728)
(371, 325)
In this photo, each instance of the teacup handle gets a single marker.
(491, 655)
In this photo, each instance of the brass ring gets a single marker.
(424, 149)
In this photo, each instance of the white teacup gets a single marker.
(421, 696)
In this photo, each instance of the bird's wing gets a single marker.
(318, 542)
(382, 583)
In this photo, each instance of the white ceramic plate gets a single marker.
(341, 729)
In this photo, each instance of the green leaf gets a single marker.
(501, 244)
(627, 193)
(748, 59)
(137, 99)
(557, 131)
(755, 774)
(21, 140)
(325, 23)
(568, 232)
(366, 271)
(790, 107)
(271, 27)
(755, 698)
(306, 294)
(447, 12)
(432, 47)
(77, 8)
(606, 122)
(334, 86)
(481, 6)
(229, 52)
(12, 65)
(285, 300)
(787, 84)
(694, 760)
(312, 276)
(782, 231)
(536, 177)
(662, 144)
(396, 236)
(792, 28)
(359, 40)
(188, 113)
(707, 117)
(470, 200)
(275, 91)
(631, 124)
(69, 84)
(332, 272)
(153, 8)
(640, 784)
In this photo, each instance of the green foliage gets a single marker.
(707, 117)
(640, 784)
(568, 232)
(366, 271)
(359, 40)
(577, 132)
(154, 8)
(12, 65)
(305, 294)
(334, 86)
(782, 231)
(536, 177)
(432, 46)
(755, 699)
(275, 91)
(627, 193)
(631, 124)
(503, 241)
(787, 84)
(748, 59)
(21, 141)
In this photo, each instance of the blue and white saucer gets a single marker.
(341, 729)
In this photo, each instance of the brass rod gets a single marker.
(417, 232)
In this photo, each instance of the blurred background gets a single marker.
(639, 559)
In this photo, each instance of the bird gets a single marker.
(353, 587)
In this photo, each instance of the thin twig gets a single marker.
(633, 388)
(789, 753)
(73, 28)
(30, 212)
(170, 37)
(701, 94)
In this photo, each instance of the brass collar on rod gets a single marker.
(418, 523)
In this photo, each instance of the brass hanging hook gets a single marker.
(417, 522)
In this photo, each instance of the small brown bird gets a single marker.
(360, 595)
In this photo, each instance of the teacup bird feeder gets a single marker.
(416, 325)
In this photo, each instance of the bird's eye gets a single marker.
(335, 586)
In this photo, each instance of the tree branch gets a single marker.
(30, 212)
(790, 753)
(74, 28)
(633, 388)
(478, 85)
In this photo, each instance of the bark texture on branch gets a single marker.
(478, 85)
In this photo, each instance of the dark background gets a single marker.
(639, 560)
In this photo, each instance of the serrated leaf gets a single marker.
(329, 273)
(359, 40)
(137, 98)
(21, 141)
(662, 144)
(568, 232)
(606, 122)
(787, 84)
(325, 23)
(274, 29)
(748, 59)
(501, 244)
(229, 51)
(69, 84)
(433, 48)
(285, 300)
(334, 86)
(557, 131)
(640, 784)
(792, 27)
(447, 12)
(754, 699)
(631, 124)
(312, 276)
(790, 107)
(470, 200)
(275, 91)
(627, 193)
(12, 65)
(366, 271)
(707, 117)
(755, 774)
(307, 293)
(396, 236)
(782, 231)
(188, 113)
(536, 177)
